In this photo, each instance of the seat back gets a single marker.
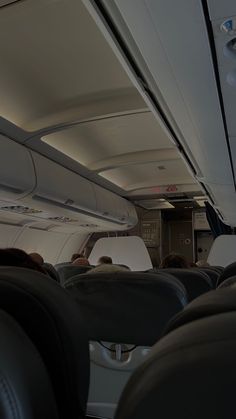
(126, 313)
(195, 281)
(213, 274)
(190, 373)
(51, 271)
(68, 271)
(228, 271)
(26, 391)
(214, 302)
(229, 282)
(53, 322)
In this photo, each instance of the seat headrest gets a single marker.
(211, 273)
(214, 302)
(26, 391)
(195, 281)
(54, 324)
(190, 373)
(229, 271)
(127, 307)
(67, 271)
(229, 282)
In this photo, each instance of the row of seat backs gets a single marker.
(191, 372)
(26, 391)
(127, 307)
(53, 322)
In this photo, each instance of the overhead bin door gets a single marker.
(111, 206)
(58, 185)
(17, 175)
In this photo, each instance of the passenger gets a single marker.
(193, 265)
(18, 257)
(108, 267)
(37, 258)
(174, 260)
(75, 256)
(81, 261)
(105, 259)
(202, 263)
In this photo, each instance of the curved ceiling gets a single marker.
(64, 87)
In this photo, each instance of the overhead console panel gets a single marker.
(171, 49)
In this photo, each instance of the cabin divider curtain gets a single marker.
(216, 225)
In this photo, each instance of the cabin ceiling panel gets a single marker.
(94, 141)
(54, 63)
(149, 175)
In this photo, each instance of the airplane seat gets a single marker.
(229, 282)
(58, 265)
(54, 324)
(190, 373)
(228, 271)
(126, 313)
(218, 269)
(51, 271)
(68, 271)
(218, 301)
(195, 282)
(212, 273)
(26, 390)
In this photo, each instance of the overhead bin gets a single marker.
(114, 207)
(60, 188)
(58, 185)
(17, 175)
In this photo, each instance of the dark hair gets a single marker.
(18, 257)
(174, 261)
(105, 259)
(75, 256)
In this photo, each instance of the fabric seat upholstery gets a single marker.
(190, 373)
(127, 307)
(51, 271)
(126, 312)
(25, 388)
(195, 281)
(229, 271)
(68, 271)
(54, 324)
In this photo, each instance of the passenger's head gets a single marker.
(174, 261)
(81, 261)
(75, 256)
(37, 258)
(105, 259)
(202, 263)
(18, 257)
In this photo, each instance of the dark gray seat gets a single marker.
(130, 307)
(190, 373)
(126, 312)
(195, 281)
(51, 271)
(229, 282)
(67, 271)
(25, 388)
(55, 326)
(228, 271)
(212, 273)
(218, 301)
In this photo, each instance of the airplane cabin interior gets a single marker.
(117, 141)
